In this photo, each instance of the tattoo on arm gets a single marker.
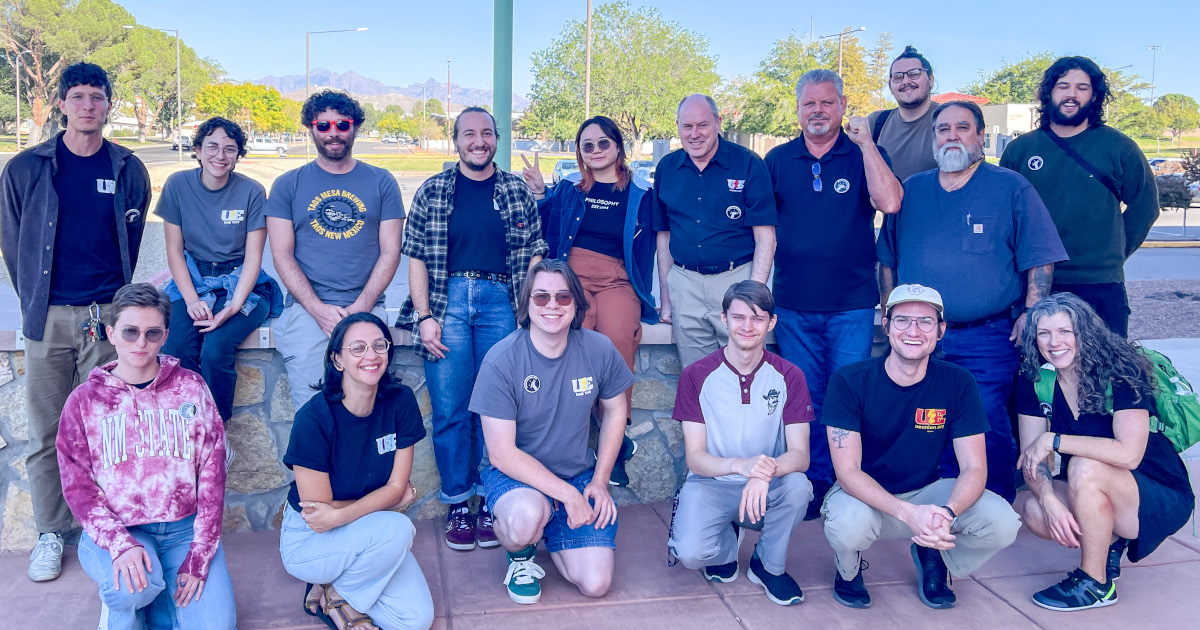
(1040, 280)
(838, 435)
(1043, 470)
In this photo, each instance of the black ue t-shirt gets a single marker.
(603, 227)
(87, 252)
(904, 429)
(357, 453)
(476, 231)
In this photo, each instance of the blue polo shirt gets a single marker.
(710, 214)
(825, 251)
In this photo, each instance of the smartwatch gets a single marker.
(1057, 441)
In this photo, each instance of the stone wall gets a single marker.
(257, 484)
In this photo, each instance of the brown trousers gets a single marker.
(615, 310)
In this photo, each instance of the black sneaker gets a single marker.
(931, 577)
(619, 476)
(727, 572)
(852, 593)
(820, 489)
(781, 589)
(1078, 591)
(1115, 551)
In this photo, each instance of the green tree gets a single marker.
(879, 67)
(371, 118)
(255, 107)
(1128, 114)
(642, 66)
(1180, 114)
(398, 110)
(433, 106)
(1013, 82)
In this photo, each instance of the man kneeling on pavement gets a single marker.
(745, 415)
(889, 420)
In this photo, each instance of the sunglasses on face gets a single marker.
(132, 334)
(562, 298)
(904, 322)
(913, 74)
(359, 348)
(602, 144)
(816, 171)
(324, 125)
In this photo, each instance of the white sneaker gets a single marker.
(45, 563)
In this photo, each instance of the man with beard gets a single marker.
(907, 131)
(334, 226)
(825, 260)
(1084, 171)
(715, 218)
(981, 237)
(474, 233)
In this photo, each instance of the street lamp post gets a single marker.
(178, 85)
(841, 37)
(307, 84)
(18, 75)
(1153, 60)
(447, 107)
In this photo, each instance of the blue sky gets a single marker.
(409, 41)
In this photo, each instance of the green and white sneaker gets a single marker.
(1078, 591)
(523, 575)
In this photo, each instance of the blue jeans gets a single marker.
(990, 357)
(168, 545)
(478, 315)
(819, 343)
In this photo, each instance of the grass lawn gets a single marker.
(1169, 149)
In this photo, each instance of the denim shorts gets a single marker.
(557, 533)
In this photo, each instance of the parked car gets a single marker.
(563, 169)
(388, 140)
(187, 143)
(266, 145)
(644, 168)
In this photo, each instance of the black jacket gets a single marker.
(29, 218)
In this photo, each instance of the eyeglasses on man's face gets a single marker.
(913, 74)
(562, 298)
(904, 322)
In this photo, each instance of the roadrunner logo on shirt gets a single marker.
(532, 383)
(337, 214)
(772, 398)
(931, 419)
(583, 386)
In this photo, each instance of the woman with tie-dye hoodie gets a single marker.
(141, 449)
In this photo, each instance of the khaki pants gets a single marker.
(54, 367)
(696, 309)
(983, 529)
(299, 338)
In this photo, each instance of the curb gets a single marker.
(1195, 243)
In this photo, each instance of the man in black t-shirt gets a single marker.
(889, 420)
(472, 235)
(72, 211)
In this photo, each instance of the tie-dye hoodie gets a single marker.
(132, 456)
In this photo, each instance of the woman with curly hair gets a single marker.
(1120, 486)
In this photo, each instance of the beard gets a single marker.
(340, 153)
(912, 99)
(1082, 114)
(953, 162)
(817, 127)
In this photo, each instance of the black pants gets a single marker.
(1109, 301)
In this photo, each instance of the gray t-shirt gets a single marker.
(971, 244)
(214, 222)
(909, 144)
(550, 399)
(336, 220)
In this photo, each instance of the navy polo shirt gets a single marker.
(710, 214)
(825, 242)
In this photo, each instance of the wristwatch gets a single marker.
(953, 516)
(1057, 441)
(424, 317)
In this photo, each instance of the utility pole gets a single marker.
(447, 107)
(1153, 62)
(18, 76)
(502, 56)
(841, 38)
(587, 73)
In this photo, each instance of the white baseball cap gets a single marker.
(915, 293)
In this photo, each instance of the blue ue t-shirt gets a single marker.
(357, 453)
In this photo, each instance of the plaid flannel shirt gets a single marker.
(426, 238)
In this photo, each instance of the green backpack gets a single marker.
(1178, 406)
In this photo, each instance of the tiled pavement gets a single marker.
(1159, 592)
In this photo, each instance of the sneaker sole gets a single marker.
(461, 546)
(487, 544)
(44, 577)
(921, 580)
(524, 599)
(1099, 604)
(720, 578)
(849, 604)
(790, 602)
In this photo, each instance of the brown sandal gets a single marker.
(339, 609)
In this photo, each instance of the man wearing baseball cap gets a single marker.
(889, 419)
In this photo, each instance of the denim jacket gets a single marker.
(264, 288)
(562, 212)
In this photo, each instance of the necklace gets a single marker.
(963, 179)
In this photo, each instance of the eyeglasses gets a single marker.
(913, 74)
(562, 298)
(602, 144)
(213, 148)
(324, 125)
(359, 348)
(94, 99)
(816, 176)
(904, 322)
(132, 334)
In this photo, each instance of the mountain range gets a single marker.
(371, 90)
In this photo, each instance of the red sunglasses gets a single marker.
(324, 125)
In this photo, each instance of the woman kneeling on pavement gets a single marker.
(141, 450)
(599, 223)
(1120, 486)
(351, 449)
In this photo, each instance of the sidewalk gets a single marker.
(467, 591)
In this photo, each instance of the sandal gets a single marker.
(312, 604)
(350, 618)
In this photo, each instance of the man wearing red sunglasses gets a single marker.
(334, 226)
